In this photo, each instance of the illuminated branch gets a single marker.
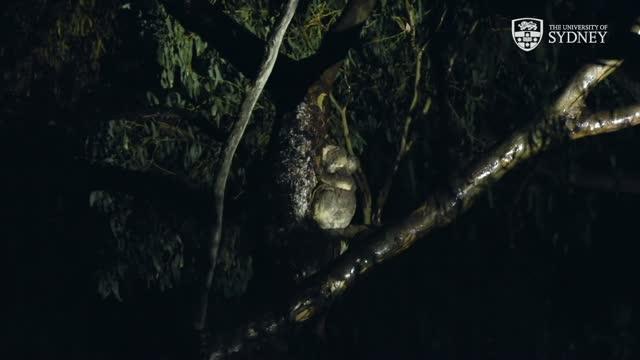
(571, 103)
(604, 122)
(251, 98)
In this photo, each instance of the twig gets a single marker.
(360, 177)
(405, 144)
(239, 127)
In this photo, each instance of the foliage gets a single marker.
(192, 76)
(52, 40)
(145, 243)
(156, 142)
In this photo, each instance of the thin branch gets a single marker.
(360, 177)
(604, 122)
(571, 102)
(405, 144)
(237, 132)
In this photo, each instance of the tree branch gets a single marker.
(405, 144)
(571, 102)
(604, 122)
(222, 174)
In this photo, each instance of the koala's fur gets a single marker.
(334, 201)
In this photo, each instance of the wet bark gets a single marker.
(235, 43)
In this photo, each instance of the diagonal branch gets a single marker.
(571, 102)
(246, 109)
(604, 122)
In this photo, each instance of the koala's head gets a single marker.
(335, 159)
(334, 201)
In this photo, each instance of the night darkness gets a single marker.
(410, 184)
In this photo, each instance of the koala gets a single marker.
(334, 199)
(314, 178)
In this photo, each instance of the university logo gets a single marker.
(527, 32)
